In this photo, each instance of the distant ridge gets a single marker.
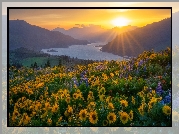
(23, 34)
(155, 36)
(94, 33)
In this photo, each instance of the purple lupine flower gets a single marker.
(159, 89)
(162, 102)
(144, 68)
(80, 82)
(141, 62)
(75, 81)
(137, 71)
(86, 81)
(120, 76)
(82, 74)
(167, 99)
(147, 59)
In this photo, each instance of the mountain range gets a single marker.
(94, 33)
(23, 34)
(127, 40)
(156, 36)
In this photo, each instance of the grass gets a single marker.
(40, 61)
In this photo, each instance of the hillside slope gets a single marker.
(155, 36)
(23, 34)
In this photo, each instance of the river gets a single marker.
(90, 51)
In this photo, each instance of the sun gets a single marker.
(120, 22)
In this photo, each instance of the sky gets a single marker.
(106, 18)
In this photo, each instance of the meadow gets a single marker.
(135, 92)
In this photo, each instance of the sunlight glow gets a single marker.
(120, 22)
